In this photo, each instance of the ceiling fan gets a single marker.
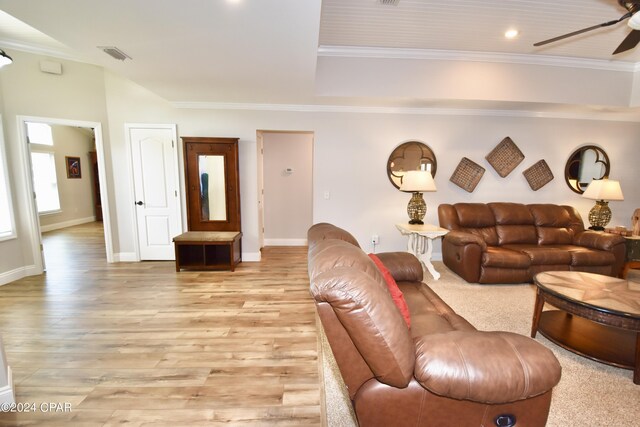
(628, 43)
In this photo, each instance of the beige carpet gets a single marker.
(589, 393)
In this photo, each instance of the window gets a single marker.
(39, 133)
(45, 182)
(7, 229)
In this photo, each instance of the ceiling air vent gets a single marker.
(114, 52)
(389, 2)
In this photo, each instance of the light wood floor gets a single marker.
(139, 344)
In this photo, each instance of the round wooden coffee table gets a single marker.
(598, 316)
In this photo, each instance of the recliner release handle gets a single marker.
(505, 420)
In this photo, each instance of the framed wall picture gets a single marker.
(73, 167)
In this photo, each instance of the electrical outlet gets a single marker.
(375, 239)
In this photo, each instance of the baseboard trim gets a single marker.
(285, 242)
(251, 256)
(125, 257)
(65, 224)
(17, 274)
(7, 393)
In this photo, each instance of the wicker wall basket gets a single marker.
(505, 157)
(538, 175)
(467, 175)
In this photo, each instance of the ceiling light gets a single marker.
(511, 34)
(4, 59)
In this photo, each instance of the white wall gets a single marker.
(351, 150)
(76, 195)
(77, 94)
(288, 197)
(474, 80)
(350, 153)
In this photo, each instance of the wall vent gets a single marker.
(389, 2)
(114, 52)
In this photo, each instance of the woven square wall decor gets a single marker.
(505, 157)
(538, 175)
(467, 174)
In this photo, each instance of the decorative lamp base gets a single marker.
(599, 215)
(417, 209)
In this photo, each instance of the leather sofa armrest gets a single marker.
(461, 238)
(486, 367)
(598, 240)
(403, 266)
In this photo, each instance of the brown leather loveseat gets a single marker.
(440, 371)
(511, 242)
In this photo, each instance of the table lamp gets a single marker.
(602, 191)
(417, 182)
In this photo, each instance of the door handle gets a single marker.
(139, 203)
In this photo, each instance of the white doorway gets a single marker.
(32, 213)
(285, 186)
(156, 204)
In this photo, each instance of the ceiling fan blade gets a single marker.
(629, 42)
(584, 30)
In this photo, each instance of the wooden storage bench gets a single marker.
(208, 250)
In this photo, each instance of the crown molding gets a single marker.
(40, 50)
(319, 108)
(470, 56)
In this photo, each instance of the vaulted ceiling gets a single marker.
(332, 52)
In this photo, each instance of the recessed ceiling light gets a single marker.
(511, 34)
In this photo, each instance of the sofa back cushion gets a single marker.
(475, 218)
(514, 223)
(553, 224)
(323, 231)
(343, 276)
(331, 253)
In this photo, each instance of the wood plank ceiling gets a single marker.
(471, 25)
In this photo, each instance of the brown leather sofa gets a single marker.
(511, 242)
(439, 372)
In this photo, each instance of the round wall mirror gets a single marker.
(410, 155)
(584, 165)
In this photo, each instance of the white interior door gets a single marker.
(154, 157)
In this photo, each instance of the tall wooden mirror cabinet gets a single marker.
(212, 183)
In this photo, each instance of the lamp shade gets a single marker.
(604, 189)
(418, 182)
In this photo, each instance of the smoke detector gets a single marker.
(114, 52)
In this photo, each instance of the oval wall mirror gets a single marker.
(584, 165)
(410, 155)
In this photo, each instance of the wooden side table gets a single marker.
(208, 250)
(420, 243)
(632, 259)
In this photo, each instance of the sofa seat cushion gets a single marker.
(581, 256)
(429, 313)
(496, 256)
(488, 367)
(543, 255)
